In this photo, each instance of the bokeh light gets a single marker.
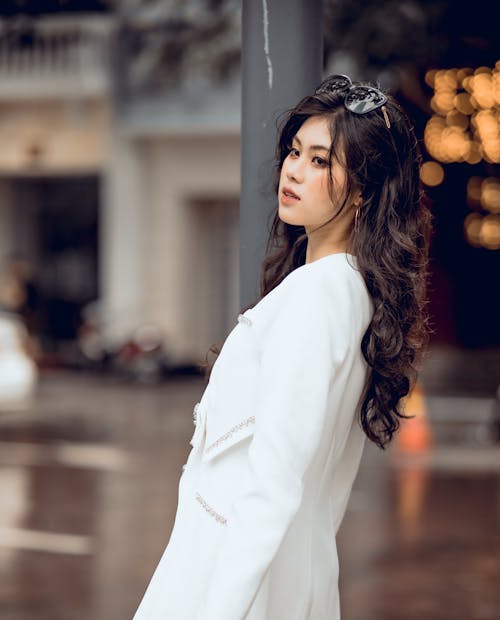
(472, 228)
(490, 232)
(465, 123)
(474, 191)
(432, 173)
(483, 231)
(490, 195)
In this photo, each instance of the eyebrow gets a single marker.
(314, 147)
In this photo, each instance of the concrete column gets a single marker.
(123, 252)
(282, 61)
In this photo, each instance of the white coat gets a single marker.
(275, 451)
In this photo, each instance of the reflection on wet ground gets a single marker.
(88, 487)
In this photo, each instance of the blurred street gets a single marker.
(137, 181)
(88, 480)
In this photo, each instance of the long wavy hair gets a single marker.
(390, 240)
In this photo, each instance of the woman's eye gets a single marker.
(319, 160)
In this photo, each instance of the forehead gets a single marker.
(315, 130)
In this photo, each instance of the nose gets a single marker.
(293, 170)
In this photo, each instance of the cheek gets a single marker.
(322, 189)
(283, 174)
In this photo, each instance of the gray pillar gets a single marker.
(282, 61)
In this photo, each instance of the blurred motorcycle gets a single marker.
(141, 356)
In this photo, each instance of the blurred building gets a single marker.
(113, 193)
(120, 158)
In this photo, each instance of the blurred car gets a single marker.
(18, 370)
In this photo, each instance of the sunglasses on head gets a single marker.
(358, 99)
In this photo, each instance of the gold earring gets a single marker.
(356, 219)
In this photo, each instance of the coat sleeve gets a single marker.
(303, 350)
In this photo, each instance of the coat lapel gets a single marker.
(228, 415)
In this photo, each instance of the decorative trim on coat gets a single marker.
(218, 517)
(244, 319)
(235, 429)
(196, 409)
(199, 417)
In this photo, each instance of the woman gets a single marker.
(318, 364)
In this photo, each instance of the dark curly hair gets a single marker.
(391, 242)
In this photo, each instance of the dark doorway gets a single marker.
(55, 228)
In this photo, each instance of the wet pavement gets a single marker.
(88, 488)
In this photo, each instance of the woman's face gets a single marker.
(305, 174)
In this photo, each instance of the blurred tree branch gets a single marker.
(166, 43)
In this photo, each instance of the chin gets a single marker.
(288, 218)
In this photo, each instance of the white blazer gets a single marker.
(275, 451)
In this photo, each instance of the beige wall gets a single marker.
(156, 241)
(53, 137)
(169, 236)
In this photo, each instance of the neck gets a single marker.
(314, 252)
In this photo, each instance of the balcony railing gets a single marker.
(55, 57)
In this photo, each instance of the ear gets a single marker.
(357, 199)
